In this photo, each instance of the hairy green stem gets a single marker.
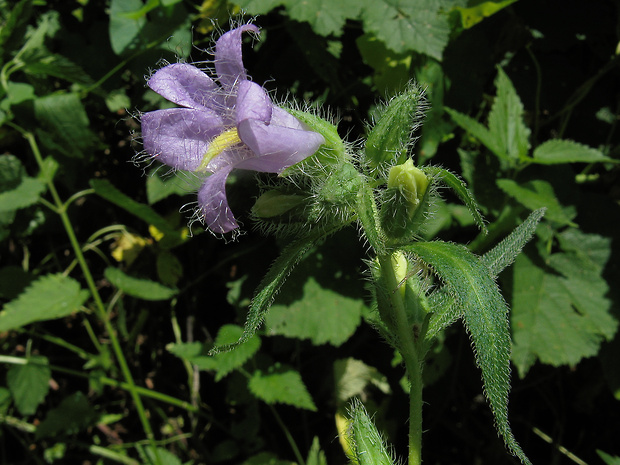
(99, 305)
(409, 352)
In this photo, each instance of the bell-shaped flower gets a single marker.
(222, 126)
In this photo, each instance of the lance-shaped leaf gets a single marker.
(273, 281)
(446, 309)
(485, 315)
(505, 253)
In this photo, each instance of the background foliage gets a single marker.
(524, 105)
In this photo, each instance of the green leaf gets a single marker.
(73, 415)
(13, 280)
(281, 385)
(391, 69)
(222, 363)
(557, 151)
(64, 124)
(17, 92)
(25, 194)
(169, 268)
(160, 456)
(124, 31)
(105, 189)
(272, 283)
(325, 16)
(13, 22)
(315, 455)
(34, 47)
(305, 307)
(460, 189)
(538, 194)
(419, 26)
(259, 7)
(506, 120)
(11, 172)
(485, 315)
(365, 441)
(29, 384)
(159, 184)
(505, 253)
(608, 459)
(477, 130)
(313, 316)
(49, 297)
(353, 376)
(475, 14)
(560, 318)
(140, 288)
(60, 67)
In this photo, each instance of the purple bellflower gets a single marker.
(219, 127)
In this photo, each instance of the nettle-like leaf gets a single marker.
(475, 14)
(539, 194)
(73, 415)
(29, 384)
(282, 267)
(485, 315)
(136, 287)
(316, 456)
(49, 297)
(352, 376)
(64, 125)
(222, 363)
(506, 120)
(557, 151)
(16, 189)
(507, 135)
(560, 318)
(281, 385)
(408, 26)
(325, 16)
(309, 307)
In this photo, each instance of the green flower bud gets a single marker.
(406, 200)
(390, 138)
(410, 181)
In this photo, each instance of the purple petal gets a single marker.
(187, 86)
(276, 147)
(179, 137)
(213, 204)
(228, 59)
(253, 103)
(280, 117)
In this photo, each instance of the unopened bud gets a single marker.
(406, 200)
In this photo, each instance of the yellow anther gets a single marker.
(222, 142)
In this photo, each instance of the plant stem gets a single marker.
(99, 305)
(409, 352)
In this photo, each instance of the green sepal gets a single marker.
(333, 149)
(390, 138)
